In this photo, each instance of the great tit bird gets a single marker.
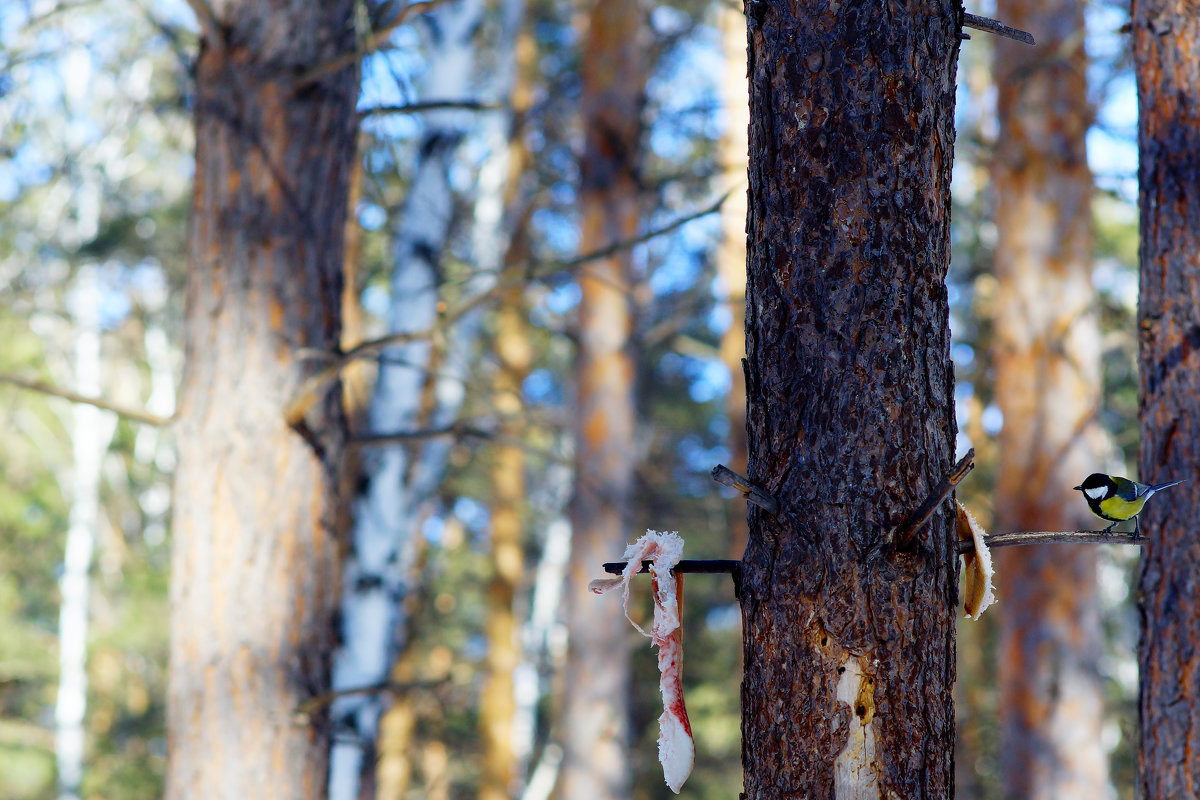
(1118, 499)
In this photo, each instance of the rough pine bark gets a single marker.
(595, 725)
(848, 646)
(1166, 49)
(254, 585)
(1047, 384)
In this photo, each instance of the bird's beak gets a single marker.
(1078, 488)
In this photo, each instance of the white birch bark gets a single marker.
(386, 513)
(91, 433)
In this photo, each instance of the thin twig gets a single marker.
(692, 565)
(549, 268)
(907, 530)
(996, 27)
(317, 702)
(313, 387)
(751, 491)
(375, 41)
(136, 414)
(1018, 538)
(208, 22)
(430, 105)
(398, 437)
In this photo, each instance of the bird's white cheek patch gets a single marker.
(1095, 493)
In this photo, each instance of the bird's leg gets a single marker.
(1108, 529)
(1137, 527)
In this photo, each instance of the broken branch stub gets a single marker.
(751, 491)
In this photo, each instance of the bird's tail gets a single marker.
(1157, 487)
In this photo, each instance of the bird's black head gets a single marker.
(1097, 480)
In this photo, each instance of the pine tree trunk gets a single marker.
(1166, 50)
(497, 706)
(1047, 384)
(255, 563)
(501, 181)
(849, 647)
(595, 723)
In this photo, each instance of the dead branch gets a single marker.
(1019, 538)
(397, 437)
(135, 414)
(208, 22)
(313, 387)
(751, 491)
(907, 530)
(430, 105)
(996, 27)
(315, 703)
(375, 41)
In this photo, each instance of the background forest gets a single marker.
(470, 184)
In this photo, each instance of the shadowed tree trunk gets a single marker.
(1166, 49)
(255, 562)
(1047, 384)
(596, 703)
(849, 647)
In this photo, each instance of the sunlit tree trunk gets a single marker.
(497, 705)
(255, 566)
(1166, 50)
(397, 478)
(1047, 384)
(731, 258)
(496, 216)
(849, 645)
(595, 721)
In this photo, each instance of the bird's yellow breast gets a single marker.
(1119, 508)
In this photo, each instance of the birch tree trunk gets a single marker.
(595, 721)
(1047, 384)
(91, 433)
(386, 510)
(849, 646)
(255, 563)
(1166, 50)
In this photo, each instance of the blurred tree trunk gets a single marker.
(731, 258)
(848, 646)
(499, 238)
(1166, 50)
(396, 479)
(595, 722)
(255, 564)
(91, 433)
(1047, 384)
(497, 706)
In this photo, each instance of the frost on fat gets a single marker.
(664, 549)
(977, 566)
